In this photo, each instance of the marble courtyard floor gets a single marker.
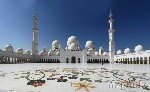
(61, 77)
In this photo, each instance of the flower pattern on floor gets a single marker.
(79, 78)
(84, 85)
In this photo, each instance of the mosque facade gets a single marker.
(73, 53)
(139, 56)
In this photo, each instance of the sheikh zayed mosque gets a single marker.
(73, 53)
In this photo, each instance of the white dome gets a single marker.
(56, 44)
(139, 48)
(9, 48)
(119, 52)
(89, 44)
(127, 51)
(19, 51)
(27, 52)
(41, 53)
(71, 40)
(105, 53)
(96, 53)
(73, 46)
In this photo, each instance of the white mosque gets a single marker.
(73, 53)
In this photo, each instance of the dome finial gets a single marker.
(110, 11)
(110, 14)
(35, 15)
(35, 12)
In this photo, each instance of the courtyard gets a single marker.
(67, 77)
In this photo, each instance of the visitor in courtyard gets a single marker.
(102, 62)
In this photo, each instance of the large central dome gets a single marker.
(71, 40)
(73, 43)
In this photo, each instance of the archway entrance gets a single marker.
(73, 59)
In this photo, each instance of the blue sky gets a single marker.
(86, 19)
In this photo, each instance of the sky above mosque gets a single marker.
(85, 19)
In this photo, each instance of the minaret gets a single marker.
(35, 36)
(111, 38)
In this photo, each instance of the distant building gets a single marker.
(73, 53)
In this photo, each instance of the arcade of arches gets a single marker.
(73, 60)
(48, 61)
(135, 60)
(13, 60)
(98, 61)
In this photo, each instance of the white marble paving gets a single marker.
(8, 73)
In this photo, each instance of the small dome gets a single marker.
(127, 51)
(105, 53)
(71, 40)
(89, 44)
(119, 52)
(41, 53)
(56, 44)
(19, 51)
(139, 48)
(73, 46)
(27, 52)
(96, 53)
(9, 48)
